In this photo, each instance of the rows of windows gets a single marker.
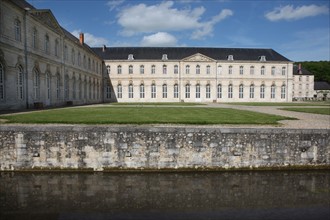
(87, 63)
(197, 70)
(187, 90)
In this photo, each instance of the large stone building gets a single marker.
(156, 74)
(42, 64)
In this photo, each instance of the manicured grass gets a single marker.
(281, 103)
(322, 111)
(158, 103)
(144, 115)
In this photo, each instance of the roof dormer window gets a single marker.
(164, 57)
(262, 58)
(130, 57)
(230, 57)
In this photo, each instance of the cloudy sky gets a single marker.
(298, 29)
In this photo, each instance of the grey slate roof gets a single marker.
(303, 71)
(321, 85)
(178, 53)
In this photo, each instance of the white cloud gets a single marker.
(90, 39)
(288, 12)
(164, 17)
(160, 39)
(114, 4)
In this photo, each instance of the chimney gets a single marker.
(81, 38)
(104, 48)
(299, 68)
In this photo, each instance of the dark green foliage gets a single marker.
(320, 69)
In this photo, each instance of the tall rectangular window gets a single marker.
(230, 91)
(187, 91)
(283, 71)
(142, 91)
(34, 38)
(164, 91)
(219, 91)
(198, 91)
(2, 82)
(262, 91)
(176, 69)
(153, 91)
(47, 44)
(283, 92)
(251, 70)
(273, 70)
(198, 69)
(57, 51)
(36, 85)
(262, 72)
(119, 69)
(141, 69)
(230, 70)
(208, 91)
(17, 29)
(130, 69)
(176, 91)
(20, 83)
(108, 91)
(208, 69)
(119, 91)
(153, 69)
(252, 91)
(58, 83)
(241, 70)
(241, 91)
(272, 92)
(164, 69)
(130, 91)
(187, 69)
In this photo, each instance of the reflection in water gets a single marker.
(232, 195)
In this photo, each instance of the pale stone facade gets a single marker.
(303, 84)
(41, 63)
(197, 78)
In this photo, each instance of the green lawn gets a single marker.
(322, 111)
(157, 103)
(281, 103)
(144, 115)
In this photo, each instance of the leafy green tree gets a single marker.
(320, 69)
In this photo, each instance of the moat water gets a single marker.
(219, 195)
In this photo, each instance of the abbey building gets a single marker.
(42, 64)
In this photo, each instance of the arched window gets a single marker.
(262, 70)
(219, 91)
(230, 91)
(153, 91)
(273, 70)
(241, 70)
(119, 91)
(35, 38)
(230, 70)
(198, 69)
(66, 87)
(153, 69)
(208, 91)
(17, 29)
(47, 44)
(164, 69)
(176, 69)
(142, 69)
(187, 91)
(142, 91)
(130, 91)
(119, 69)
(74, 88)
(108, 69)
(198, 91)
(58, 86)
(130, 69)
(272, 92)
(251, 91)
(164, 91)
(283, 92)
(251, 70)
(176, 91)
(36, 84)
(48, 83)
(187, 69)
(2, 82)
(241, 91)
(262, 91)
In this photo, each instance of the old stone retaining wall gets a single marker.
(142, 147)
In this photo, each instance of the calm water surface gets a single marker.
(232, 195)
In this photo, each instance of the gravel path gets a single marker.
(305, 120)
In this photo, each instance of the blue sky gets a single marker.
(298, 29)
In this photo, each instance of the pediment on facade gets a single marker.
(47, 17)
(198, 57)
